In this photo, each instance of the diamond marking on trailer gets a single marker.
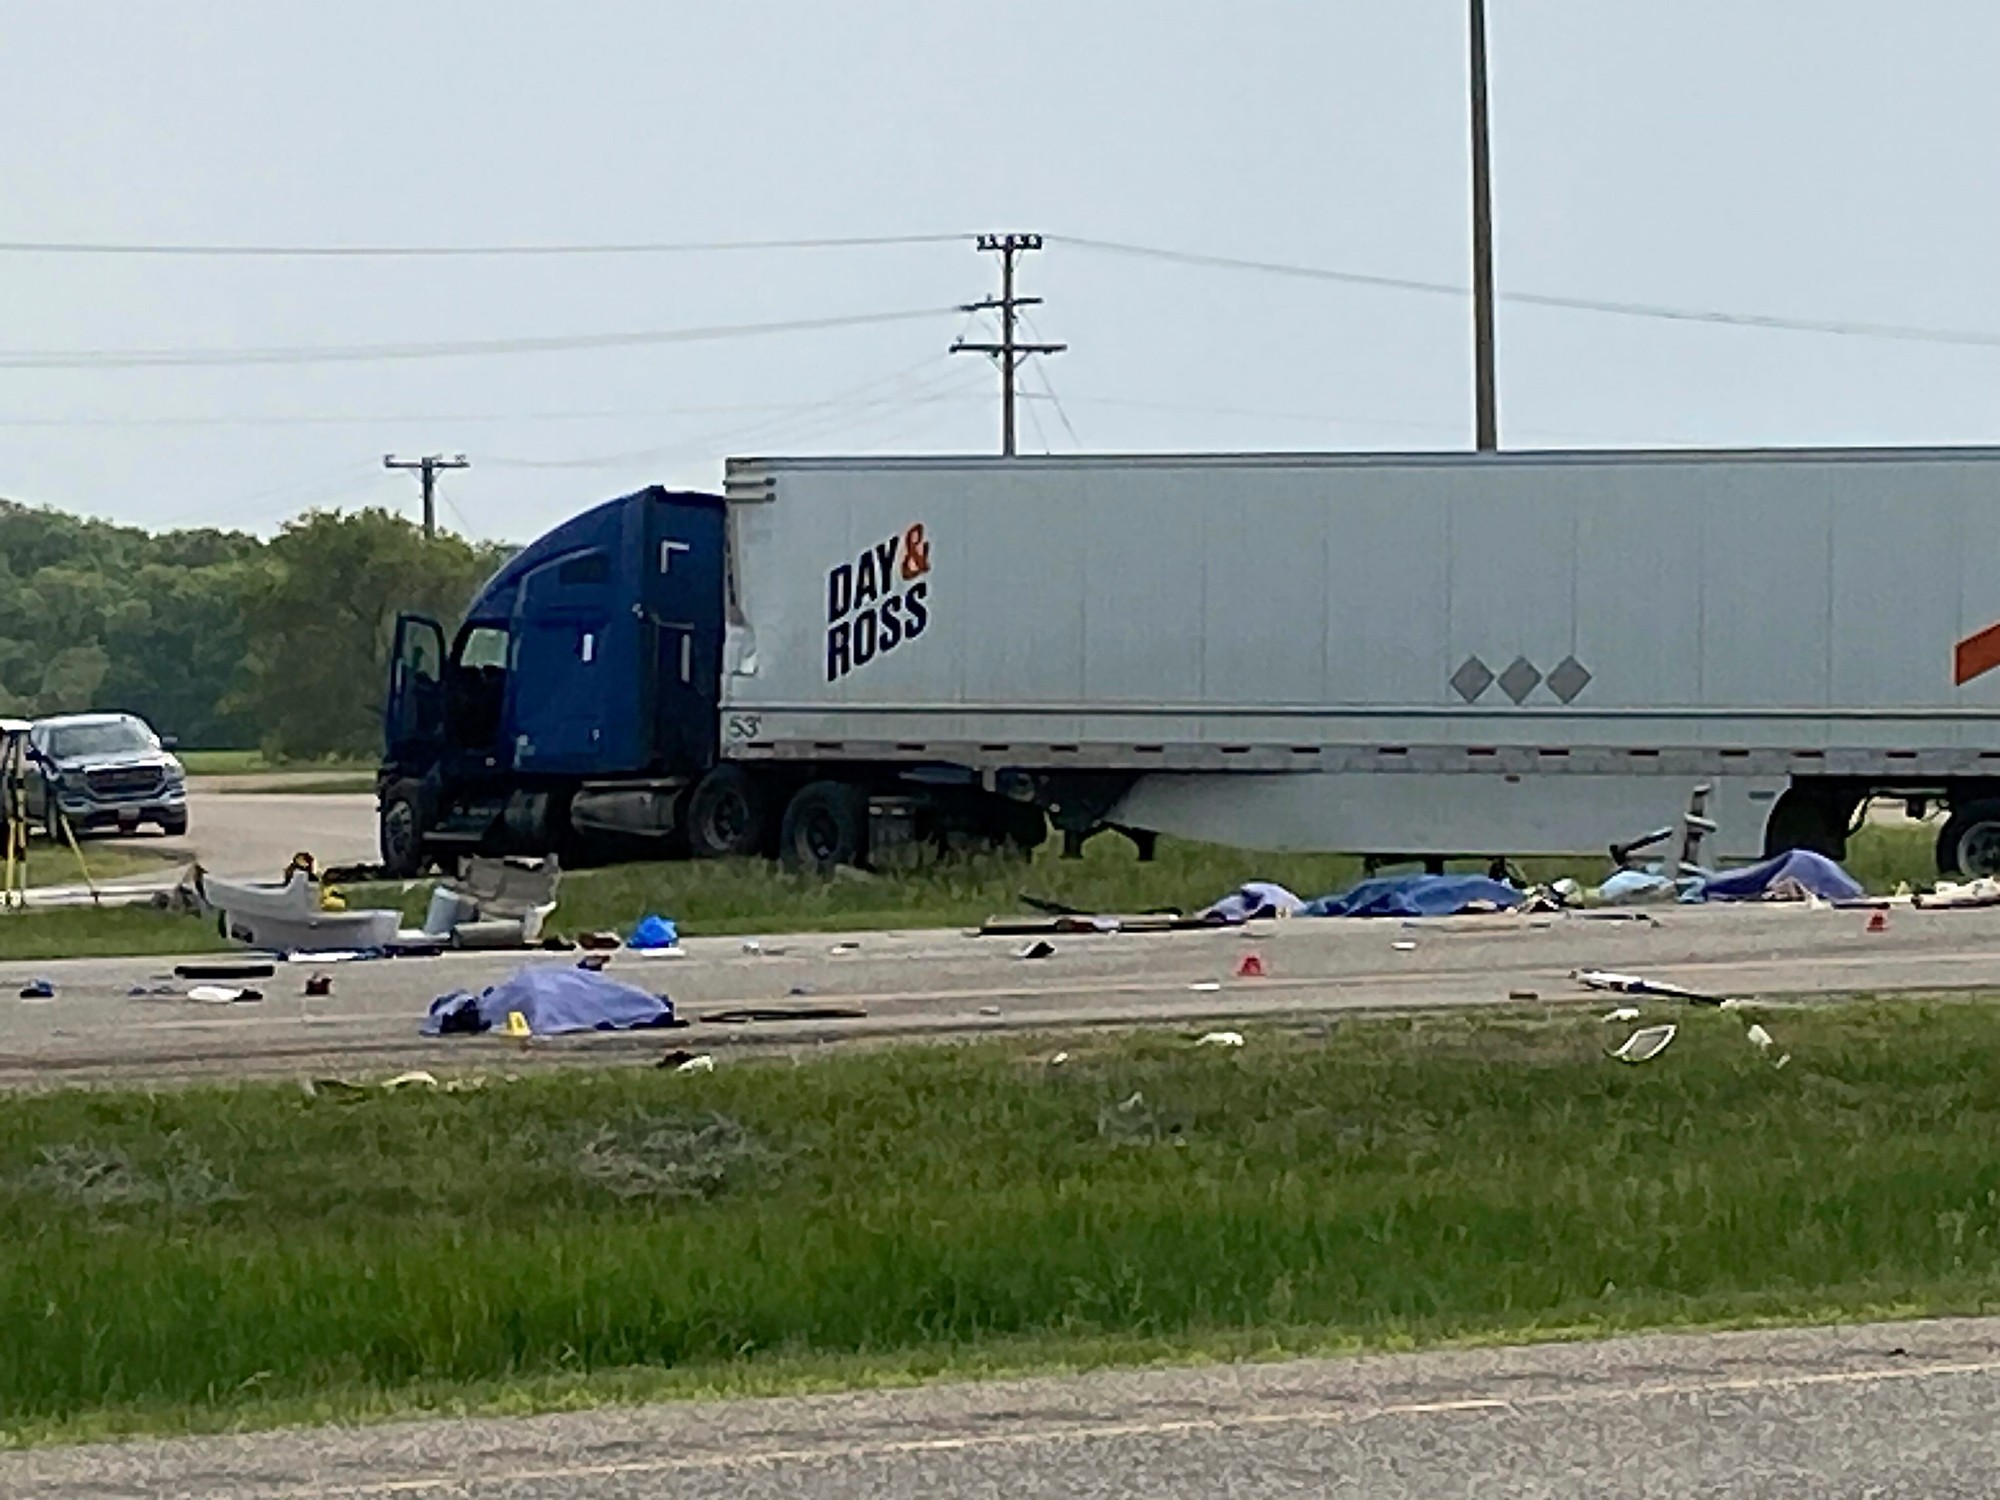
(1471, 679)
(1520, 679)
(1569, 678)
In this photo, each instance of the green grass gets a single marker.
(207, 1257)
(100, 932)
(255, 762)
(106, 859)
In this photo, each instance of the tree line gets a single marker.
(220, 638)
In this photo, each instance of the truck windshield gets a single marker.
(117, 737)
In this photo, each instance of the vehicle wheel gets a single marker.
(174, 826)
(1800, 821)
(401, 831)
(1969, 842)
(825, 825)
(726, 816)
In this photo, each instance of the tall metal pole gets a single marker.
(1486, 397)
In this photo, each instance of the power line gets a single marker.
(1847, 327)
(115, 359)
(426, 469)
(415, 252)
(1009, 351)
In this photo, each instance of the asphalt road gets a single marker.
(944, 983)
(1882, 1411)
(240, 833)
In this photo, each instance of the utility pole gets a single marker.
(427, 472)
(1486, 398)
(1010, 351)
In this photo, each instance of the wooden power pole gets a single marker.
(1010, 351)
(426, 469)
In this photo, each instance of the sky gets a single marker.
(1822, 160)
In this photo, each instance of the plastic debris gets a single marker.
(1040, 948)
(1524, 994)
(653, 932)
(1252, 967)
(319, 984)
(604, 940)
(751, 945)
(222, 994)
(989, 1010)
(1405, 946)
(1645, 1044)
(417, 1078)
(1758, 1037)
(846, 947)
(1220, 1039)
(1059, 1059)
(225, 971)
(1634, 984)
(1623, 1013)
(39, 989)
(700, 1063)
(594, 962)
(1205, 986)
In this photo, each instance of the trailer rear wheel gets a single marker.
(726, 815)
(826, 824)
(1800, 820)
(1969, 842)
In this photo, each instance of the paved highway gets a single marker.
(1882, 1411)
(948, 983)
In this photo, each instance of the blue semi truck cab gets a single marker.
(579, 694)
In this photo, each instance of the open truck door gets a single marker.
(414, 723)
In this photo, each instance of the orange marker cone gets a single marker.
(1252, 967)
(1878, 921)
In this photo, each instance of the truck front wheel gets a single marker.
(825, 825)
(401, 831)
(726, 815)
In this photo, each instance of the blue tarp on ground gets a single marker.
(554, 998)
(1415, 896)
(1801, 868)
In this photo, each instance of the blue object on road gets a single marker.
(654, 932)
(1415, 896)
(552, 999)
(1259, 898)
(1799, 869)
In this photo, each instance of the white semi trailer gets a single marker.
(1411, 655)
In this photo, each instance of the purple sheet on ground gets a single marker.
(1813, 873)
(554, 998)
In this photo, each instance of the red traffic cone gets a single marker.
(1252, 967)
(1878, 921)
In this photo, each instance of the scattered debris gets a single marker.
(1948, 896)
(850, 946)
(1205, 986)
(1406, 946)
(1220, 1039)
(1645, 1044)
(755, 1014)
(1623, 1013)
(1040, 948)
(594, 962)
(801, 991)
(1617, 916)
(1758, 1037)
(39, 989)
(318, 986)
(416, 1078)
(1524, 994)
(299, 914)
(348, 1089)
(223, 994)
(751, 945)
(221, 971)
(1633, 984)
(1251, 967)
(654, 932)
(989, 1010)
(1059, 1059)
(152, 991)
(701, 1063)
(600, 940)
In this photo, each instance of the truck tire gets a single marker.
(726, 815)
(174, 825)
(1969, 842)
(826, 824)
(1027, 827)
(400, 831)
(1800, 820)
